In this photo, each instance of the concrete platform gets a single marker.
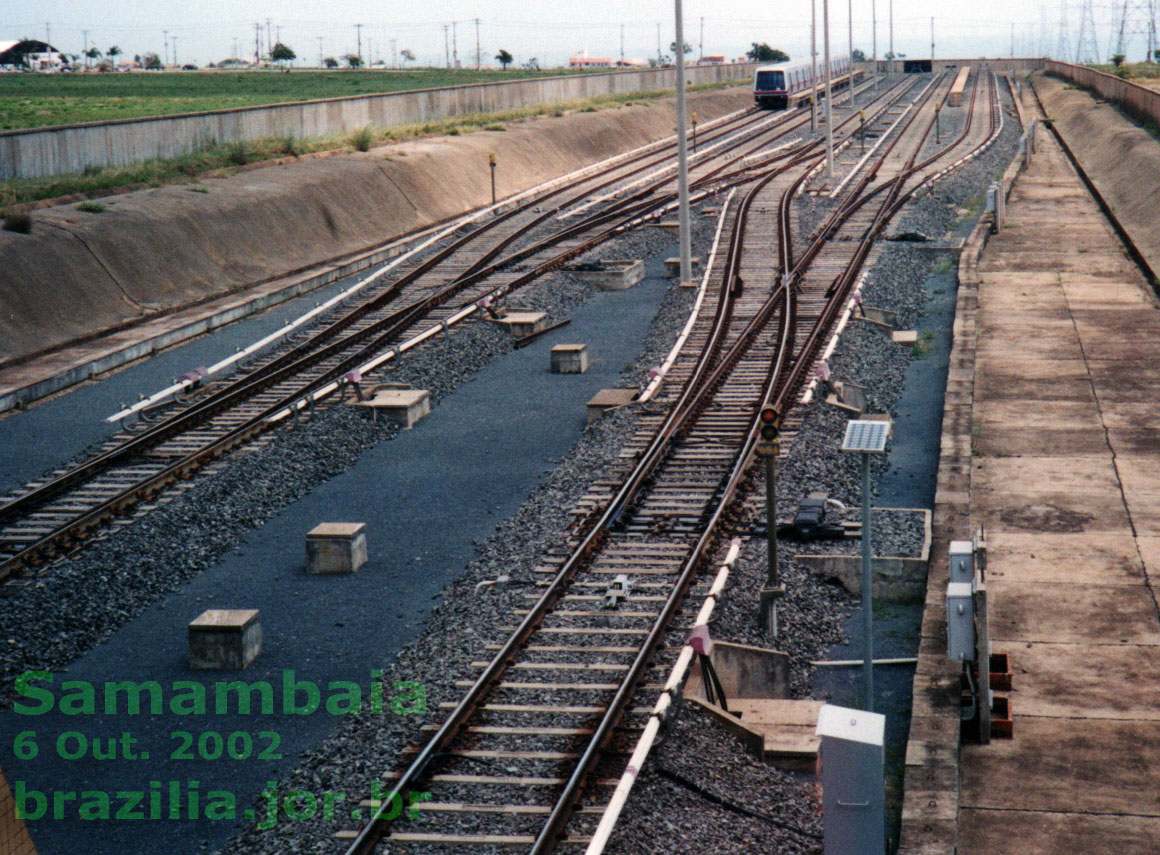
(609, 274)
(1064, 472)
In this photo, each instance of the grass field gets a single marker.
(39, 100)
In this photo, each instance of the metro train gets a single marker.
(774, 84)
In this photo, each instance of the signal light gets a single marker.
(769, 418)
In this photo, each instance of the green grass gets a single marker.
(39, 100)
(943, 265)
(91, 207)
(218, 160)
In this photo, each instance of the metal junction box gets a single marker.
(962, 561)
(853, 783)
(960, 622)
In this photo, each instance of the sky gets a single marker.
(210, 30)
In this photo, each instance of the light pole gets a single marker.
(866, 437)
(829, 109)
(874, 39)
(813, 65)
(682, 153)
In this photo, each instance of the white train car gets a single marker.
(773, 85)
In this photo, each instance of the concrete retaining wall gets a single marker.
(72, 148)
(1140, 101)
(999, 66)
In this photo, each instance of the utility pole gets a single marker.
(891, 66)
(932, 44)
(829, 107)
(175, 50)
(477, 54)
(394, 54)
(321, 63)
(269, 44)
(48, 35)
(164, 43)
(446, 46)
(278, 35)
(850, 46)
(660, 59)
(257, 43)
(454, 46)
(358, 34)
(874, 39)
(682, 152)
(813, 65)
(701, 43)
(85, 46)
(622, 45)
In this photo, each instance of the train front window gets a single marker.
(770, 80)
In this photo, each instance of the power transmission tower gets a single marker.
(1086, 49)
(257, 43)
(358, 33)
(1063, 43)
(1116, 40)
(454, 45)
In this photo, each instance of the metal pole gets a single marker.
(874, 39)
(773, 578)
(682, 153)
(829, 109)
(932, 45)
(891, 66)
(850, 48)
(813, 65)
(867, 592)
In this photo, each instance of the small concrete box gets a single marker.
(609, 399)
(569, 359)
(225, 639)
(611, 274)
(404, 407)
(853, 781)
(336, 548)
(520, 324)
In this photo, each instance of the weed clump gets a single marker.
(91, 207)
(362, 138)
(19, 223)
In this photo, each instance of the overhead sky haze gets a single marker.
(211, 30)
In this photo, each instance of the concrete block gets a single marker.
(401, 406)
(520, 324)
(336, 548)
(673, 226)
(907, 338)
(569, 359)
(610, 275)
(608, 399)
(225, 638)
(673, 265)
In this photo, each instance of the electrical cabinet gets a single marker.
(961, 622)
(853, 781)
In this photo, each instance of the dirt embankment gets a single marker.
(156, 251)
(1121, 158)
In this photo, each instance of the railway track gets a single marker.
(527, 757)
(58, 515)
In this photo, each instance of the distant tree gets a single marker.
(407, 54)
(761, 52)
(1156, 54)
(137, 58)
(1118, 59)
(858, 56)
(330, 62)
(151, 61)
(114, 51)
(532, 64)
(503, 58)
(353, 60)
(93, 53)
(673, 48)
(281, 53)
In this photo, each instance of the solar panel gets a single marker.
(868, 437)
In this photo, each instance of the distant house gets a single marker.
(712, 59)
(581, 59)
(29, 53)
(631, 63)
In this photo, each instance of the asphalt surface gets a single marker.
(427, 497)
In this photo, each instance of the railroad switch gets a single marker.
(617, 592)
